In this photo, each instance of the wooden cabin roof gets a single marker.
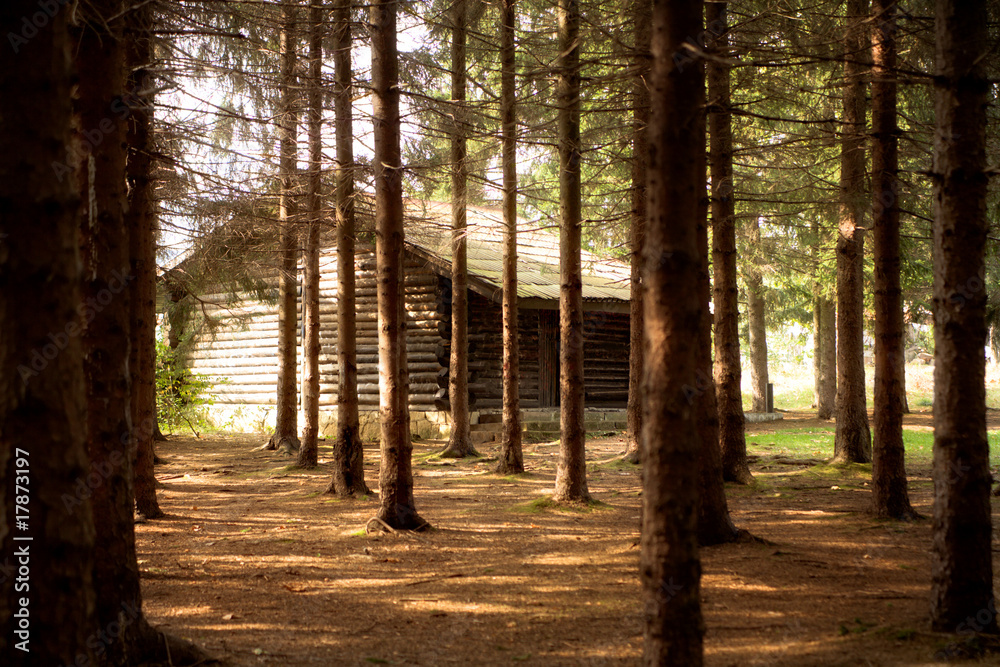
(606, 281)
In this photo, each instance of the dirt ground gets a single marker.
(257, 566)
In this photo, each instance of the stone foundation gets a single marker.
(260, 419)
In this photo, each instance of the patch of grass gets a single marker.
(535, 506)
(539, 505)
(312, 495)
(617, 463)
(793, 443)
(361, 532)
(818, 443)
(858, 627)
(840, 471)
(282, 471)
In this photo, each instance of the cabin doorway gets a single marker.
(548, 358)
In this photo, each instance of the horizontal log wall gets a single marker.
(242, 349)
(605, 359)
(237, 347)
(241, 352)
(606, 356)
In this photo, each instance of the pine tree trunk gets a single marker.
(285, 436)
(714, 523)
(395, 475)
(670, 567)
(42, 396)
(824, 334)
(348, 451)
(715, 526)
(889, 495)
(511, 458)
(141, 222)
(106, 337)
(853, 442)
(727, 370)
(309, 450)
(756, 317)
(825, 356)
(641, 20)
(571, 471)
(459, 441)
(962, 598)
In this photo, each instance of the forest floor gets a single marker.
(254, 563)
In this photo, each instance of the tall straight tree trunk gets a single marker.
(141, 223)
(571, 472)
(106, 336)
(105, 252)
(42, 400)
(824, 335)
(285, 436)
(511, 456)
(309, 451)
(642, 12)
(395, 474)
(670, 567)
(889, 494)
(824, 343)
(714, 523)
(459, 442)
(853, 441)
(756, 317)
(348, 451)
(727, 370)
(962, 566)
(715, 526)
(826, 312)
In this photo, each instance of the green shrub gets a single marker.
(180, 394)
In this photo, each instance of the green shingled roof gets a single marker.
(428, 234)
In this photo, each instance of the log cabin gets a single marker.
(239, 352)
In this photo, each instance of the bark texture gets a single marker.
(962, 598)
(853, 441)
(756, 317)
(106, 335)
(397, 508)
(309, 449)
(286, 429)
(459, 441)
(348, 451)
(825, 355)
(571, 472)
(42, 398)
(511, 458)
(889, 493)
(670, 567)
(642, 12)
(714, 523)
(727, 369)
(141, 223)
